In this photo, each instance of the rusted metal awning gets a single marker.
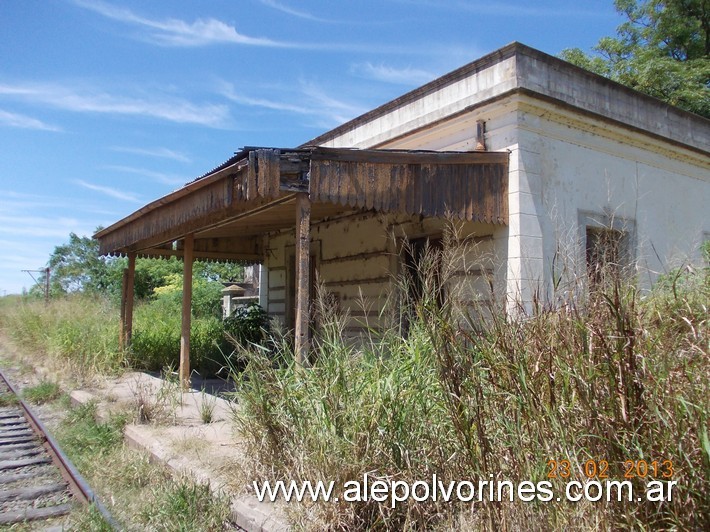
(254, 193)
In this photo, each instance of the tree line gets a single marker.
(77, 267)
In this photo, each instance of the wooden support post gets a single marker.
(188, 251)
(124, 296)
(127, 296)
(303, 270)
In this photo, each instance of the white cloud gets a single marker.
(210, 31)
(108, 191)
(90, 100)
(338, 111)
(175, 32)
(19, 256)
(163, 153)
(38, 226)
(25, 122)
(160, 177)
(399, 76)
(294, 12)
(227, 90)
(18, 202)
(307, 98)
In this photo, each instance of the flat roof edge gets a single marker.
(531, 66)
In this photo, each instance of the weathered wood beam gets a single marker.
(181, 212)
(235, 245)
(186, 312)
(408, 157)
(303, 269)
(127, 297)
(248, 249)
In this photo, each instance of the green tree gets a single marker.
(152, 274)
(224, 272)
(155, 273)
(662, 49)
(76, 266)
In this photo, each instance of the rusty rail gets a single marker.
(76, 483)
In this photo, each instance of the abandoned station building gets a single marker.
(530, 156)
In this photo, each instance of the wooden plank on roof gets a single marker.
(170, 220)
(269, 172)
(250, 189)
(430, 185)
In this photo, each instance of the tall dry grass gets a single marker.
(76, 333)
(79, 334)
(613, 377)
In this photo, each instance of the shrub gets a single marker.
(156, 339)
(248, 324)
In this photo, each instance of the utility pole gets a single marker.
(46, 272)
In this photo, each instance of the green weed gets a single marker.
(41, 393)
(156, 339)
(90, 519)
(8, 399)
(78, 332)
(143, 496)
(85, 439)
(185, 505)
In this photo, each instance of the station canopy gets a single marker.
(229, 209)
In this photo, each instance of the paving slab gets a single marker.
(177, 437)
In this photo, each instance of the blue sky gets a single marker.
(107, 105)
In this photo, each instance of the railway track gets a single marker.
(37, 482)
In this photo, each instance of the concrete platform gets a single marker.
(176, 436)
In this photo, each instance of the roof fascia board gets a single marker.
(175, 195)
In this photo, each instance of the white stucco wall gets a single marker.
(578, 167)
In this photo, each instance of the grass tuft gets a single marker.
(8, 399)
(139, 494)
(188, 506)
(44, 392)
(207, 406)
